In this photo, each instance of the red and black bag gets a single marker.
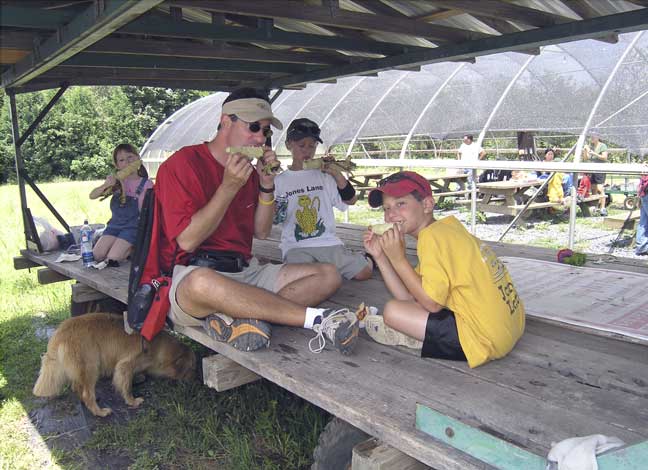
(148, 286)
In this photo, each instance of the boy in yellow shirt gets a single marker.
(459, 302)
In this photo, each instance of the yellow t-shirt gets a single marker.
(462, 273)
(555, 189)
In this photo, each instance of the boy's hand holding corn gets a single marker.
(392, 243)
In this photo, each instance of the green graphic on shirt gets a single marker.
(308, 225)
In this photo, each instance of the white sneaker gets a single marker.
(383, 334)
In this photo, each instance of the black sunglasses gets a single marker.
(396, 177)
(253, 126)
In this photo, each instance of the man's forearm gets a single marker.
(205, 220)
(263, 217)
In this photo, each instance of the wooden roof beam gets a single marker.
(184, 48)
(64, 71)
(163, 27)
(440, 14)
(87, 59)
(504, 27)
(587, 11)
(499, 9)
(93, 24)
(578, 30)
(207, 85)
(292, 10)
(33, 18)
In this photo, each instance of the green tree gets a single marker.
(151, 106)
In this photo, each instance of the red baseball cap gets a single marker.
(398, 185)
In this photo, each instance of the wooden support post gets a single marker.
(20, 262)
(48, 276)
(374, 455)
(222, 373)
(83, 293)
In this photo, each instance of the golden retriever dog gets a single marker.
(95, 345)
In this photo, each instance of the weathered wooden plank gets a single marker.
(20, 262)
(111, 281)
(365, 391)
(373, 455)
(83, 293)
(49, 276)
(222, 373)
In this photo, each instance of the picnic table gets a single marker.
(364, 181)
(507, 197)
(441, 186)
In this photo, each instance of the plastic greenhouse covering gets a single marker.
(552, 93)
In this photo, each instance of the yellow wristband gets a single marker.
(263, 202)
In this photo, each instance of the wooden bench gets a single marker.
(557, 383)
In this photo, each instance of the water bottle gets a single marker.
(86, 244)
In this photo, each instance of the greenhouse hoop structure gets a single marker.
(565, 91)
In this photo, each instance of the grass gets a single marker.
(179, 425)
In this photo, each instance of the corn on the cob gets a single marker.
(379, 229)
(317, 163)
(249, 151)
(121, 175)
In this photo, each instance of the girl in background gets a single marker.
(118, 238)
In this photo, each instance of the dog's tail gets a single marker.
(51, 378)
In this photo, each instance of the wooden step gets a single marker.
(617, 221)
(374, 455)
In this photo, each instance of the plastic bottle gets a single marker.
(86, 244)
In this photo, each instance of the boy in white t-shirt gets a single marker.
(308, 234)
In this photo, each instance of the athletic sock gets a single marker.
(313, 316)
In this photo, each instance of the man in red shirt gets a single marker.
(213, 203)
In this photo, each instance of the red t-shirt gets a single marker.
(184, 184)
(584, 187)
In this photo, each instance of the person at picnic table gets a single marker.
(309, 196)
(459, 302)
(117, 240)
(554, 191)
(597, 151)
(213, 203)
(641, 248)
(469, 152)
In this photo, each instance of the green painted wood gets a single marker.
(183, 63)
(476, 443)
(158, 26)
(574, 31)
(36, 18)
(634, 457)
(86, 28)
(338, 17)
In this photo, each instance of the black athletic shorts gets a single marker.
(441, 337)
(597, 178)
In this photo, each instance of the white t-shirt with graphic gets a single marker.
(310, 196)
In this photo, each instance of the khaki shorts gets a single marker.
(262, 276)
(348, 263)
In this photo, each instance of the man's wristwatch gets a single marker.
(267, 190)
